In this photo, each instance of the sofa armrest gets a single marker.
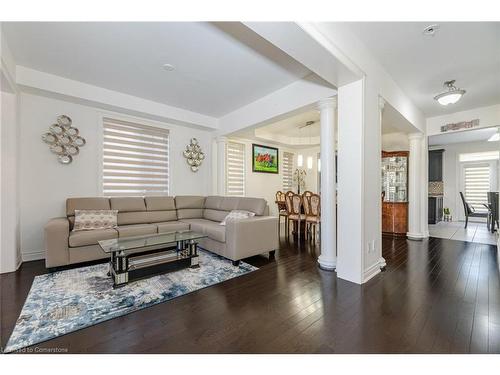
(56, 242)
(252, 236)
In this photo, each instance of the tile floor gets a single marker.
(454, 230)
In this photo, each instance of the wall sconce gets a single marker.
(300, 161)
(309, 162)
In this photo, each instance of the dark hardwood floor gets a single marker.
(436, 296)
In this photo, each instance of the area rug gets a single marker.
(66, 301)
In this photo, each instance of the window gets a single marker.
(287, 165)
(476, 180)
(235, 169)
(134, 159)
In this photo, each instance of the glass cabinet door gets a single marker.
(394, 178)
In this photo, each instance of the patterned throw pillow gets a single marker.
(95, 219)
(237, 215)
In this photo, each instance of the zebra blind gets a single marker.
(287, 165)
(235, 169)
(135, 159)
(477, 185)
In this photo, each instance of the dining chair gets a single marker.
(312, 209)
(470, 211)
(282, 212)
(293, 207)
(492, 208)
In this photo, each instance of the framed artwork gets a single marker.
(265, 159)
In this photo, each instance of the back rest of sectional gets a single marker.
(93, 203)
(217, 207)
(189, 206)
(139, 210)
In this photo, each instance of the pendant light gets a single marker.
(451, 96)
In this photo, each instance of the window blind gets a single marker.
(287, 165)
(235, 169)
(477, 185)
(135, 159)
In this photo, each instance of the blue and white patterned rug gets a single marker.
(66, 301)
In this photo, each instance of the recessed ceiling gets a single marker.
(476, 135)
(219, 67)
(468, 52)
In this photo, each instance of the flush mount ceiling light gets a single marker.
(495, 137)
(430, 30)
(168, 67)
(451, 96)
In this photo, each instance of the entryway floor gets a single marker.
(454, 230)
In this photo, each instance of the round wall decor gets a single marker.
(194, 155)
(64, 140)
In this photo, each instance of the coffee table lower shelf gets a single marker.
(125, 267)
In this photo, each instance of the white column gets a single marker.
(381, 105)
(328, 258)
(424, 188)
(415, 187)
(221, 165)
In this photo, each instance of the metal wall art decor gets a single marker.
(460, 125)
(194, 155)
(64, 140)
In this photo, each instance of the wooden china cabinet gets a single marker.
(395, 193)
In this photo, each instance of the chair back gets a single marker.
(280, 201)
(467, 209)
(493, 203)
(293, 203)
(307, 193)
(306, 201)
(315, 204)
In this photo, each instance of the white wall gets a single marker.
(45, 183)
(488, 116)
(265, 185)
(451, 173)
(9, 218)
(395, 142)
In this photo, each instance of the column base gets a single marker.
(381, 263)
(415, 236)
(327, 264)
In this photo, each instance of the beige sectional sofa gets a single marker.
(138, 216)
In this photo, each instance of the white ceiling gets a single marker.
(219, 66)
(292, 132)
(476, 135)
(466, 51)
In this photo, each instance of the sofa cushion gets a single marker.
(128, 204)
(214, 215)
(229, 203)
(256, 205)
(215, 231)
(136, 230)
(190, 213)
(196, 225)
(214, 202)
(189, 201)
(237, 215)
(73, 204)
(144, 217)
(211, 228)
(94, 219)
(90, 237)
(172, 226)
(160, 203)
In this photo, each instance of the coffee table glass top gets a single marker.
(131, 243)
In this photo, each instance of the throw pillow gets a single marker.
(237, 215)
(95, 219)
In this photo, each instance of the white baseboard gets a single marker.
(371, 272)
(35, 255)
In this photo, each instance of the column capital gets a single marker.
(221, 139)
(327, 103)
(415, 136)
(381, 102)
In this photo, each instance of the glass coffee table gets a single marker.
(133, 258)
